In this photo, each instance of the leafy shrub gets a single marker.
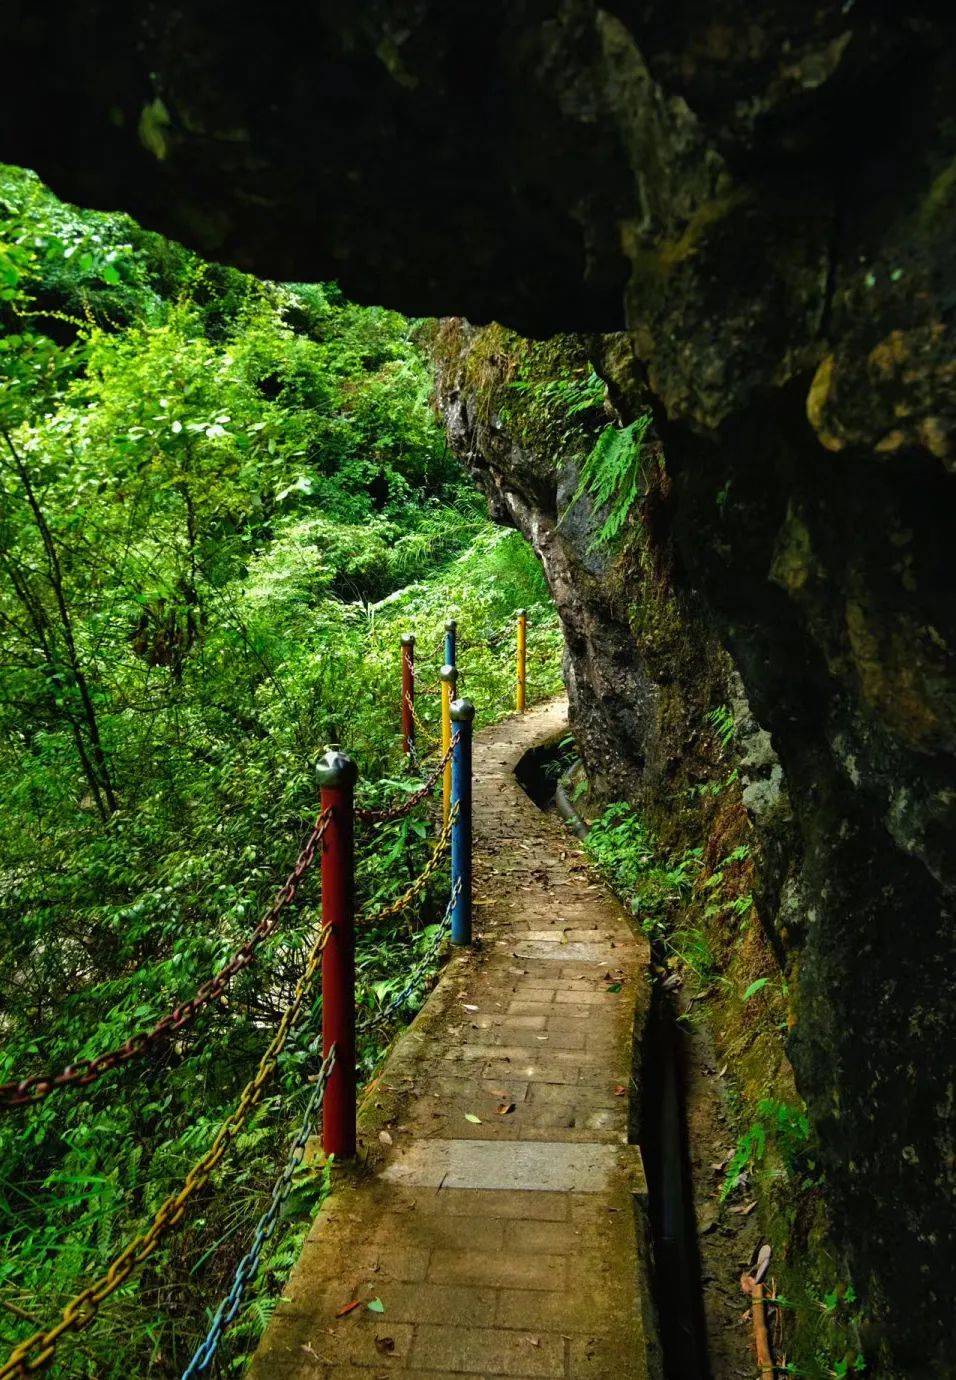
(221, 503)
(626, 853)
(784, 1127)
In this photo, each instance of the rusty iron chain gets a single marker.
(81, 1310)
(433, 685)
(421, 881)
(39, 1085)
(248, 1266)
(407, 805)
(397, 1001)
(431, 740)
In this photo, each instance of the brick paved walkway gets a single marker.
(511, 1244)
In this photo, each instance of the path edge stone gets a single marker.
(385, 1097)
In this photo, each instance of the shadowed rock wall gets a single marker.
(811, 579)
(763, 197)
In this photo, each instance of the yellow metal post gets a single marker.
(448, 676)
(520, 695)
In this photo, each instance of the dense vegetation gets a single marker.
(221, 501)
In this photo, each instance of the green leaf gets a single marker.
(612, 476)
(755, 987)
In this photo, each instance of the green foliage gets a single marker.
(553, 412)
(221, 503)
(836, 1354)
(776, 1124)
(627, 854)
(724, 725)
(757, 986)
(612, 477)
(571, 395)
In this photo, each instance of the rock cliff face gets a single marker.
(758, 577)
(763, 200)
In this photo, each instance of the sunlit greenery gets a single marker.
(221, 503)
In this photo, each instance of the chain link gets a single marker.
(248, 1266)
(416, 674)
(421, 881)
(407, 805)
(424, 729)
(83, 1071)
(81, 1310)
(417, 972)
(35, 1352)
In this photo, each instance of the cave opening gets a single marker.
(740, 226)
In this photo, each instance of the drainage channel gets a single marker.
(662, 1135)
(665, 1149)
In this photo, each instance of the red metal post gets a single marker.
(337, 774)
(408, 693)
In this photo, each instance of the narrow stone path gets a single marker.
(497, 1221)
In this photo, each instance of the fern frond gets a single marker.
(612, 476)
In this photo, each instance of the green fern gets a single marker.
(613, 476)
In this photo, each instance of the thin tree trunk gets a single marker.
(38, 619)
(66, 628)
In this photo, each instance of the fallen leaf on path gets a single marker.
(384, 1137)
(475, 1120)
(469, 1007)
(375, 1306)
(744, 1209)
(349, 1308)
(505, 1108)
(620, 1090)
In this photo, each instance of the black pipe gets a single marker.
(565, 809)
(664, 1145)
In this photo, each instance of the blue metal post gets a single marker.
(447, 676)
(462, 717)
(451, 640)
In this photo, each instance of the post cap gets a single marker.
(336, 769)
(449, 674)
(408, 639)
(451, 625)
(522, 613)
(462, 711)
